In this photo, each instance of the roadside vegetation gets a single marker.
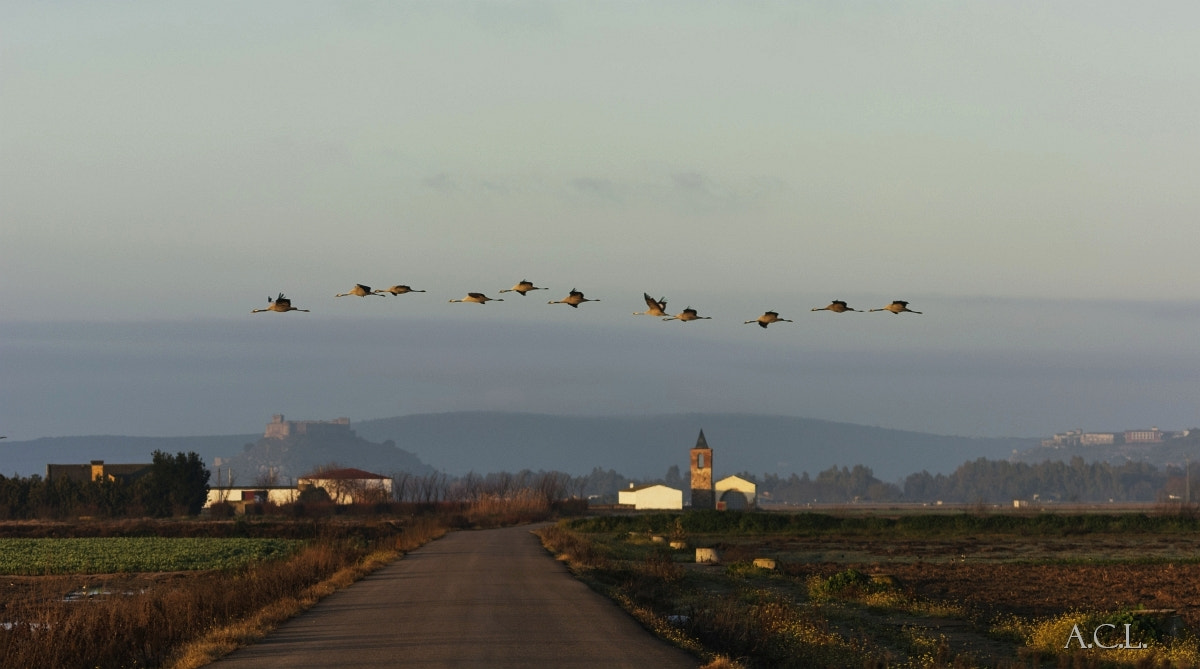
(910, 591)
(181, 592)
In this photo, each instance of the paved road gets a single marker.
(491, 598)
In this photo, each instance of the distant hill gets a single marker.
(484, 442)
(289, 458)
(647, 446)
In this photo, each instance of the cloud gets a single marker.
(603, 189)
(691, 182)
(441, 182)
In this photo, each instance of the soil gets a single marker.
(995, 576)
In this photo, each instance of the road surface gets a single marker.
(488, 598)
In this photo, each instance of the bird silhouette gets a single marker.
(523, 287)
(478, 298)
(767, 318)
(359, 290)
(397, 290)
(575, 299)
(688, 314)
(896, 307)
(653, 307)
(280, 304)
(836, 306)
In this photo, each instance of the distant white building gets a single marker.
(736, 493)
(654, 496)
(350, 486)
(1151, 436)
(239, 497)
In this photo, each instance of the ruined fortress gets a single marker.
(279, 428)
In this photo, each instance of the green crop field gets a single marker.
(108, 555)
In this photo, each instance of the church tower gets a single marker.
(702, 480)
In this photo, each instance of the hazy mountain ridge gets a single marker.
(639, 446)
(483, 442)
(283, 461)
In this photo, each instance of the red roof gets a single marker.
(342, 474)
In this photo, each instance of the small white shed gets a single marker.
(654, 496)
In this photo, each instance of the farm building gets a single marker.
(350, 486)
(736, 493)
(654, 496)
(240, 497)
(96, 470)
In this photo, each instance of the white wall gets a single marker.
(653, 497)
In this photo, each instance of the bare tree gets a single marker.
(400, 483)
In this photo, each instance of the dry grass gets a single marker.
(189, 619)
(225, 639)
(743, 623)
(500, 510)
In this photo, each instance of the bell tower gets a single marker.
(702, 480)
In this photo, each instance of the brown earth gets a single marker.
(1025, 576)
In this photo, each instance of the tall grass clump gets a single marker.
(580, 552)
(771, 631)
(1072, 637)
(493, 510)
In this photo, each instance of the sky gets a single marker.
(1023, 173)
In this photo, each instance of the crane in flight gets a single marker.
(767, 318)
(653, 307)
(896, 307)
(575, 299)
(688, 314)
(524, 286)
(359, 290)
(478, 298)
(398, 290)
(280, 304)
(836, 306)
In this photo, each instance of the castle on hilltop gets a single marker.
(279, 428)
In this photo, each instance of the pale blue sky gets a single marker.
(1024, 173)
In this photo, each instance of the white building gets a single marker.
(239, 497)
(350, 486)
(735, 493)
(655, 496)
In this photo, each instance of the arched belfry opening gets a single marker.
(702, 479)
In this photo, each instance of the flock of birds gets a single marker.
(575, 298)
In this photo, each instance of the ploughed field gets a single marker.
(910, 589)
(1018, 574)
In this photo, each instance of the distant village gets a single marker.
(350, 485)
(1119, 472)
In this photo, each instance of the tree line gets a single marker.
(990, 481)
(172, 485)
(178, 485)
